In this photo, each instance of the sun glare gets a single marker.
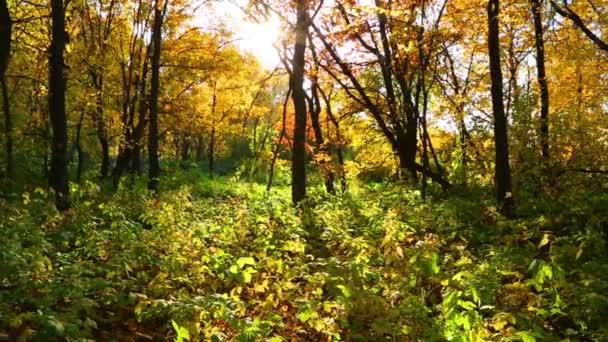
(256, 38)
(259, 39)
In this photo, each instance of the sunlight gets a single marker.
(255, 38)
(258, 38)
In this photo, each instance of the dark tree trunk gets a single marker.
(8, 131)
(407, 148)
(5, 55)
(200, 148)
(59, 162)
(154, 165)
(185, 148)
(502, 171)
(78, 146)
(298, 167)
(542, 79)
(462, 128)
(315, 111)
(211, 153)
(338, 146)
(102, 132)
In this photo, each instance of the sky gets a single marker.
(256, 38)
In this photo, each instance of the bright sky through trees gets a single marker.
(256, 38)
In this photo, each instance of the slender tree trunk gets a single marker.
(211, 153)
(463, 149)
(315, 111)
(154, 165)
(5, 55)
(200, 148)
(502, 170)
(79, 147)
(59, 162)
(298, 167)
(8, 131)
(542, 79)
(425, 147)
(338, 146)
(275, 154)
(102, 132)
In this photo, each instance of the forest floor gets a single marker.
(221, 260)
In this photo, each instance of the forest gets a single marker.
(304, 170)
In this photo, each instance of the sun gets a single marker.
(259, 39)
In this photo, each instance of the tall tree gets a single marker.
(58, 117)
(542, 78)
(154, 167)
(97, 23)
(298, 178)
(5, 55)
(502, 171)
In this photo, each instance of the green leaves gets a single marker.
(182, 333)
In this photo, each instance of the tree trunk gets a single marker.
(5, 55)
(200, 148)
(59, 157)
(315, 111)
(102, 132)
(211, 153)
(79, 147)
(153, 162)
(542, 79)
(502, 171)
(298, 167)
(407, 147)
(462, 128)
(8, 130)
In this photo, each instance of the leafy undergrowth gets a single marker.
(226, 261)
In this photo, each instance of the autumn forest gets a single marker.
(304, 170)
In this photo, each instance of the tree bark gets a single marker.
(78, 146)
(211, 152)
(59, 157)
(298, 167)
(5, 55)
(542, 79)
(502, 171)
(102, 132)
(315, 111)
(153, 162)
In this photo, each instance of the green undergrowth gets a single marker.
(221, 260)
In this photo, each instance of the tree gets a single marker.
(154, 167)
(565, 11)
(296, 81)
(542, 78)
(5, 55)
(58, 117)
(502, 171)
(382, 73)
(97, 21)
